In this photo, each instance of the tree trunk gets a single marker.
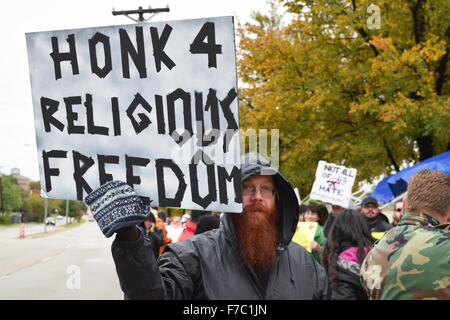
(391, 157)
(425, 147)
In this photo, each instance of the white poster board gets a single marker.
(151, 104)
(298, 196)
(333, 184)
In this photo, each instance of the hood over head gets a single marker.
(253, 164)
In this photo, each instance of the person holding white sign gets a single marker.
(251, 257)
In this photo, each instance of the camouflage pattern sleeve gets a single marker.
(411, 261)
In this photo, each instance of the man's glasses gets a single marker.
(265, 191)
(398, 209)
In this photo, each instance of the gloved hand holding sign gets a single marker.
(115, 206)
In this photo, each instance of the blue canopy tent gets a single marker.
(394, 185)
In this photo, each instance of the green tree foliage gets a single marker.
(372, 99)
(11, 197)
(34, 207)
(75, 208)
(35, 185)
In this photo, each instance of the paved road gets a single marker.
(63, 264)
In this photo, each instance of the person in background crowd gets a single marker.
(206, 223)
(313, 215)
(347, 245)
(302, 209)
(221, 220)
(251, 257)
(335, 210)
(152, 234)
(155, 222)
(161, 223)
(191, 224)
(185, 218)
(378, 222)
(162, 214)
(174, 228)
(412, 259)
(398, 212)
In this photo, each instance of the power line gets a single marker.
(140, 12)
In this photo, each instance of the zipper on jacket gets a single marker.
(290, 269)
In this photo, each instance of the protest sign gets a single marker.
(305, 233)
(151, 104)
(333, 184)
(298, 196)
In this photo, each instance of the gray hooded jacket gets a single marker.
(210, 266)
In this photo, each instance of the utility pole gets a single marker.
(140, 12)
(2, 209)
(67, 213)
(2, 200)
(45, 214)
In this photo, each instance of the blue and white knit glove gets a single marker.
(115, 205)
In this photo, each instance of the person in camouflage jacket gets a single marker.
(412, 260)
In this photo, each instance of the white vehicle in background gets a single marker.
(50, 220)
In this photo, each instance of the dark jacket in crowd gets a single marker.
(153, 239)
(381, 225)
(210, 266)
(206, 223)
(347, 271)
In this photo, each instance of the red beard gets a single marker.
(257, 233)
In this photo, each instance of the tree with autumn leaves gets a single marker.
(342, 91)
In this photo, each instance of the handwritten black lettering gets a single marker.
(49, 172)
(104, 40)
(127, 49)
(158, 47)
(58, 57)
(160, 165)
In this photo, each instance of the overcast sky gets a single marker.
(17, 135)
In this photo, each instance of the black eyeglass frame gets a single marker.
(262, 190)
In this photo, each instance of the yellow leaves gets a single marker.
(336, 99)
(432, 50)
(367, 87)
(380, 42)
(428, 52)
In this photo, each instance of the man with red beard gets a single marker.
(251, 257)
(257, 226)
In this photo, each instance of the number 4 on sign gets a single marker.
(209, 47)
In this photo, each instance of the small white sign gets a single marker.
(333, 184)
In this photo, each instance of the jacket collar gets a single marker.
(420, 219)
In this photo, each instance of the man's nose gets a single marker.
(257, 195)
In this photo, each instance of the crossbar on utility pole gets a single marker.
(140, 12)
